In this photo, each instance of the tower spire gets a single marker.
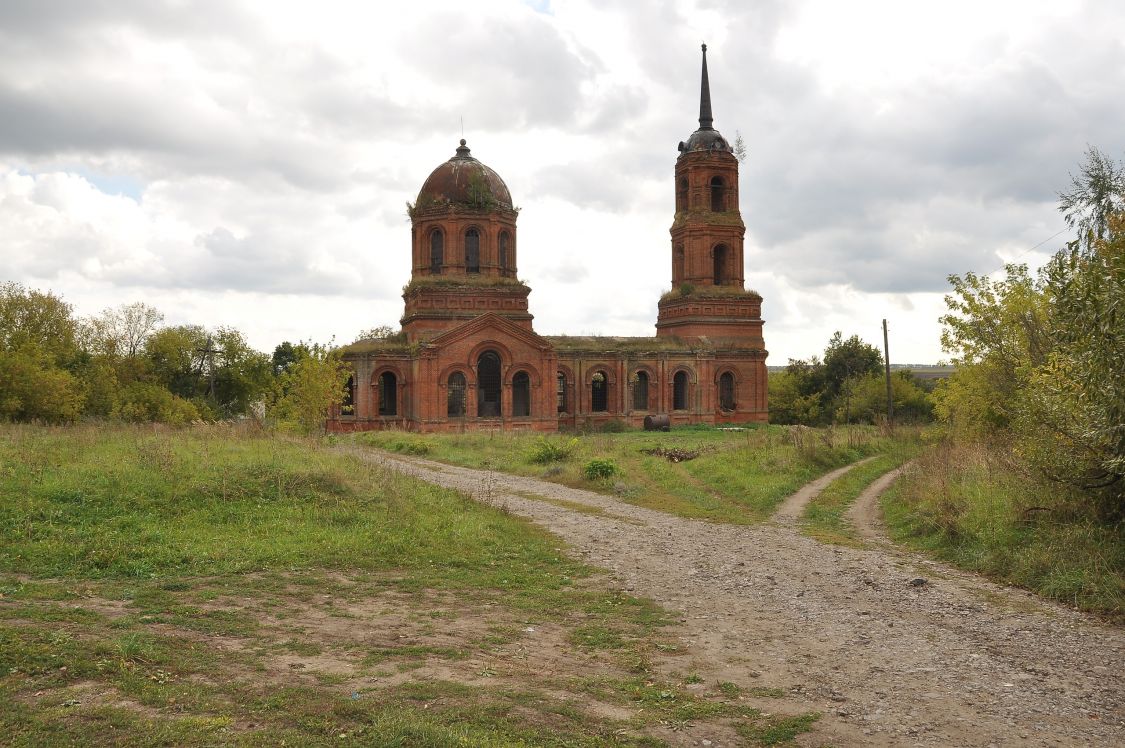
(705, 118)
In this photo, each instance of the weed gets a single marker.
(599, 469)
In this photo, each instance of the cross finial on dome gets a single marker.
(705, 118)
(462, 150)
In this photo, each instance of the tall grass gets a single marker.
(972, 506)
(133, 503)
(738, 476)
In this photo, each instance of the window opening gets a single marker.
(437, 252)
(388, 394)
(726, 391)
(456, 395)
(599, 394)
(472, 251)
(682, 195)
(560, 392)
(679, 391)
(679, 269)
(640, 391)
(521, 395)
(718, 196)
(488, 385)
(720, 256)
(347, 406)
(505, 242)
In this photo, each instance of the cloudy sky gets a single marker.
(248, 163)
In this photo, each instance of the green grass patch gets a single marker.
(163, 588)
(974, 508)
(739, 476)
(778, 731)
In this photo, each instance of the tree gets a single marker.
(997, 332)
(37, 350)
(1041, 361)
(173, 353)
(845, 363)
(1096, 193)
(242, 374)
(311, 386)
(42, 321)
(121, 331)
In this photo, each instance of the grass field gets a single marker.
(735, 476)
(204, 587)
(972, 506)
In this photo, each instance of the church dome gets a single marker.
(706, 140)
(462, 180)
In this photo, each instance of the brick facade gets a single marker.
(468, 357)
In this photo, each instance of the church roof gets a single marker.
(463, 180)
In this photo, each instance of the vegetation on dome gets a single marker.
(710, 217)
(686, 290)
(613, 344)
(479, 198)
(453, 282)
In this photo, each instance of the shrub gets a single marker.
(143, 402)
(599, 469)
(411, 446)
(545, 451)
(613, 426)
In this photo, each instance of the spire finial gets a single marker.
(705, 118)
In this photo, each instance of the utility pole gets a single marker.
(207, 354)
(887, 364)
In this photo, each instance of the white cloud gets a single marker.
(248, 163)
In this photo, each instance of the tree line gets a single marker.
(847, 386)
(125, 364)
(1040, 357)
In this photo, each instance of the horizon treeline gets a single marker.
(125, 365)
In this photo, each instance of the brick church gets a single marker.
(469, 358)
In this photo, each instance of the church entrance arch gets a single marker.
(488, 385)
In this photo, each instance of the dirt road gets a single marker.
(854, 634)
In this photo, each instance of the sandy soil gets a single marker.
(855, 634)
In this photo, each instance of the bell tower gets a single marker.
(708, 296)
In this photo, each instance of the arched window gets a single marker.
(640, 391)
(720, 256)
(456, 395)
(726, 391)
(488, 385)
(437, 251)
(678, 259)
(388, 394)
(599, 393)
(682, 195)
(560, 392)
(718, 195)
(472, 251)
(521, 395)
(679, 391)
(505, 252)
(347, 406)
